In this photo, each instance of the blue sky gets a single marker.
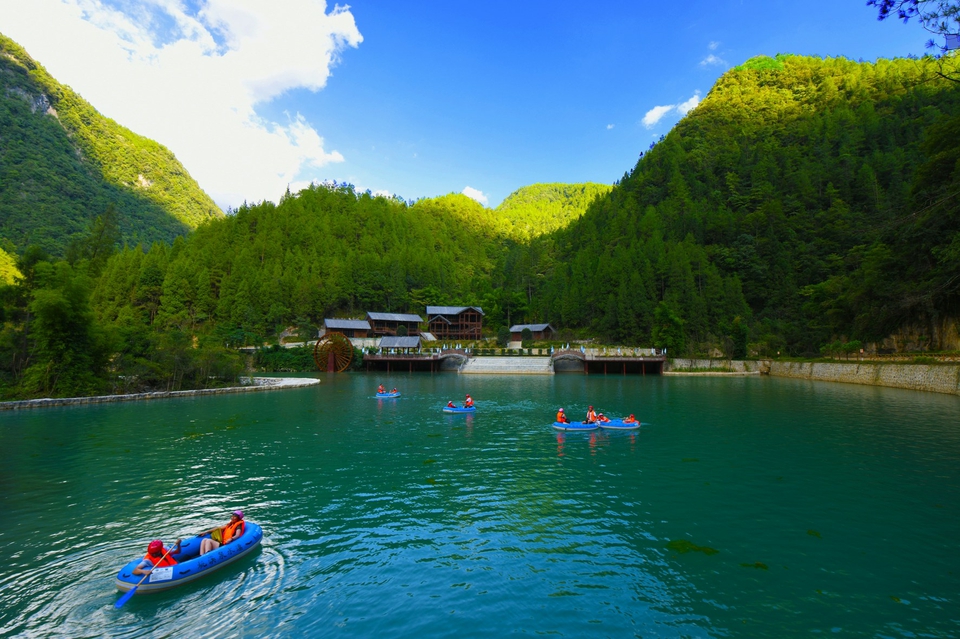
(419, 98)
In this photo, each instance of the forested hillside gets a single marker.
(62, 164)
(542, 208)
(813, 199)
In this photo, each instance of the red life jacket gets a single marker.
(226, 533)
(161, 561)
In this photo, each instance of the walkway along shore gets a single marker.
(258, 384)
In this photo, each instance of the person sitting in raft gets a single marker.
(451, 405)
(394, 390)
(380, 389)
(468, 403)
(603, 419)
(157, 557)
(223, 536)
(562, 417)
(630, 420)
(591, 416)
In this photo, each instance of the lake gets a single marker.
(744, 506)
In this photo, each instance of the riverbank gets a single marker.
(934, 378)
(256, 384)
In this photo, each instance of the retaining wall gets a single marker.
(260, 384)
(936, 378)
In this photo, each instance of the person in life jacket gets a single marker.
(591, 416)
(223, 536)
(603, 419)
(451, 405)
(394, 390)
(380, 389)
(157, 557)
(468, 403)
(630, 420)
(562, 417)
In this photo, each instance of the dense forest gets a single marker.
(804, 201)
(62, 164)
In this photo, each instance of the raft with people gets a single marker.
(393, 393)
(575, 425)
(184, 564)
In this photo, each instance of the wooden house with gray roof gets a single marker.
(538, 331)
(383, 324)
(349, 327)
(455, 322)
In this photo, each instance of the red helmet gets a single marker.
(155, 547)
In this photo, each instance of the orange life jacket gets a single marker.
(591, 416)
(468, 403)
(161, 561)
(561, 417)
(629, 420)
(226, 533)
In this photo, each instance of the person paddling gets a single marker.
(591, 416)
(468, 403)
(223, 536)
(157, 557)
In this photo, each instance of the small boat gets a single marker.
(190, 563)
(619, 424)
(574, 426)
(459, 409)
(383, 395)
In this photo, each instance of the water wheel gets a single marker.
(333, 353)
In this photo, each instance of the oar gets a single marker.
(126, 596)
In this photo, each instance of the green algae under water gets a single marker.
(810, 508)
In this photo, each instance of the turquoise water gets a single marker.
(744, 507)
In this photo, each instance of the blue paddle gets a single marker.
(126, 596)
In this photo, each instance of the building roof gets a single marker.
(394, 317)
(451, 310)
(400, 342)
(347, 324)
(518, 328)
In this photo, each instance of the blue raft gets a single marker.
(191, 564)
(574, 426)
(619, 424)
(387, 395)
(459, 409)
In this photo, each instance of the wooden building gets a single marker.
(350, 328)
(538, 331)
(387, 323)
(455, 322)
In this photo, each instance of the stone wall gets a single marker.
(936, 378)
(257, 384)
(704, 366)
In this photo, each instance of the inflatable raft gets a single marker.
(619, 424)
(387, 395)
(459, 409)
(574, 426)
(191, 564)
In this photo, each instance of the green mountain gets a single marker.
(62, 164)
(813, 199)
(542, 208)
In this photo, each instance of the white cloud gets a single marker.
(192, 80)
(712, 60)
(609, 126)
(656, 114)
(713, 45)
(474, 194)
(689, 105)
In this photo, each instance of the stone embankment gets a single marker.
(935, 378)
(257, 384)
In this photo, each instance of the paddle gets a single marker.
(126, 596)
